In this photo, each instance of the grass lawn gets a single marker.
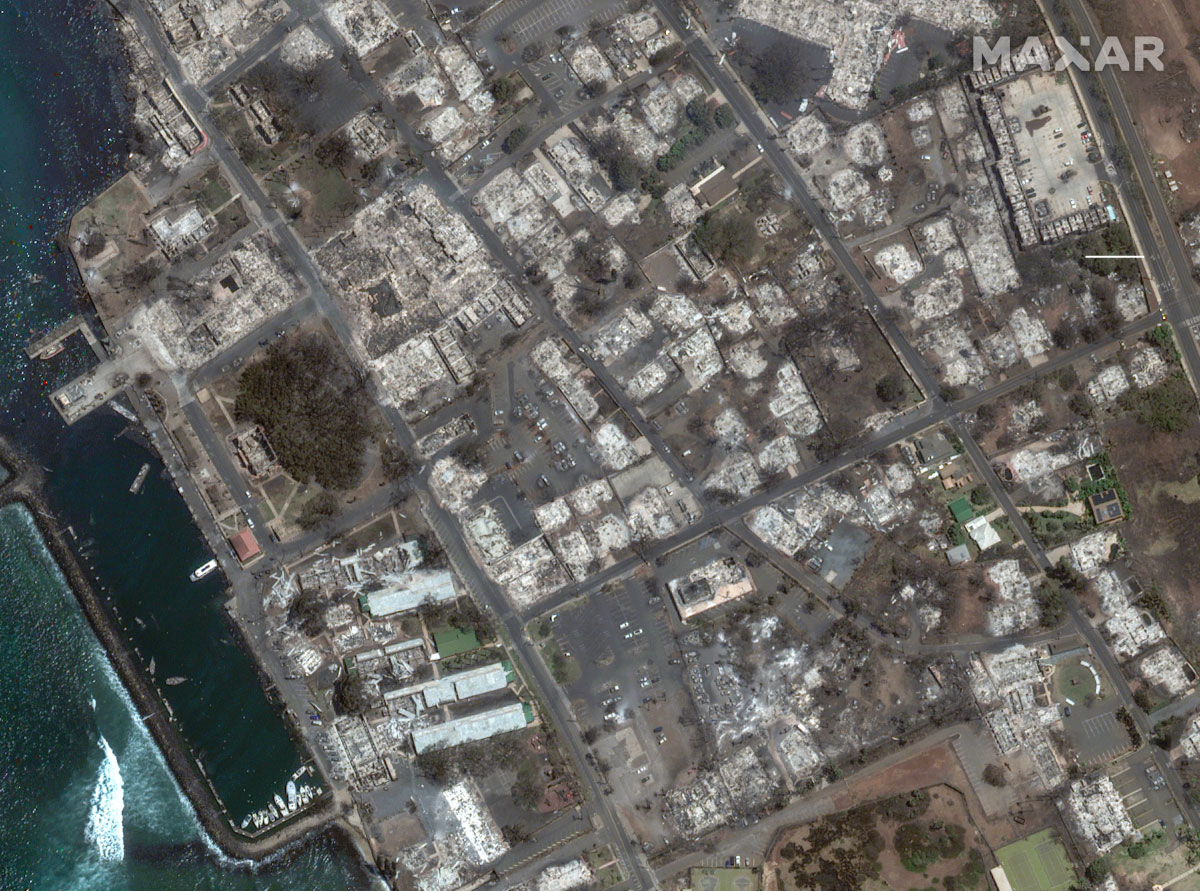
(1075, 681)
(1160, 861)
(606, 876)
(597, 857)
(566, 670)
(1037, 862)
(451, 642)
(610, 876)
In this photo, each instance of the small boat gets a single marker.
(203, 570)
(52, 351)
(176, 679)
(136, 486)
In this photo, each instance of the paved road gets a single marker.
(935, 410)
(753, 841)
(1166, 260)
(447, 528)
(1172, 270)
(262, 48)
(749, 113)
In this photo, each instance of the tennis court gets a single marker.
(1037, 862)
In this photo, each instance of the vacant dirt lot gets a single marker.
(1160, 472)
(1164, 103)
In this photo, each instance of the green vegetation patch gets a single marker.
(1037, 862)
(1113, 239)
(597, 856)
(1054, 528)
(565, 669)
(726, 236)
(313, 409)
(1164, 408)
(921, 844)
(1093, 485)
(971, 874)
(610, 877)
(702, 122)
(838, 852)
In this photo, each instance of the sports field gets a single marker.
(723, 879)
(1037, 862)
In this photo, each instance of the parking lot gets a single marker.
(620, 636)
(1092, 725)
(1099, 738)
(542, 445)
(526, 22)
(629, 690)
(1145, 794)
(559, 81)
(1051, 145)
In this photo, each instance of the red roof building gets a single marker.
(245, 545)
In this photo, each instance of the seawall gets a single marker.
(24, 486)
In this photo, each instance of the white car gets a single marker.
(623, 626)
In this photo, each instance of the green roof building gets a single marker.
(962, 510)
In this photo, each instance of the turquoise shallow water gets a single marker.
(85, 798)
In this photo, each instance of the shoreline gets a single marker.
(23, 486)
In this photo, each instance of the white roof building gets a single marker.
(409, 590)
(982, 531)
(465, 729)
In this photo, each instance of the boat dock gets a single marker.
(48, 344)
(96, 387)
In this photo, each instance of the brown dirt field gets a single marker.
(931, 766)
(1163, 103)
(966, 610)
(1159, 472)
(940, 765)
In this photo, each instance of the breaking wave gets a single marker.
(105, 825)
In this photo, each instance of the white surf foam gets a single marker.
(105, 825)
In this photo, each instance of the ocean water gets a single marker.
(86, 800)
